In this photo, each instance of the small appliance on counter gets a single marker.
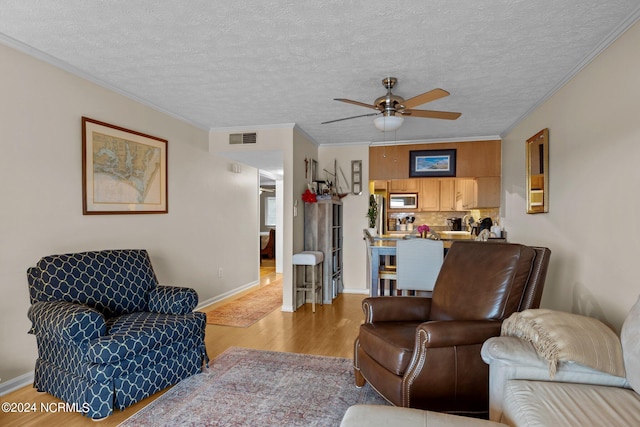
(483, 224)
(455, 223)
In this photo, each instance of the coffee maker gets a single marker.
(482, 224)
(455, 223)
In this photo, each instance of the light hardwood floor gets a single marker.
(329, 332)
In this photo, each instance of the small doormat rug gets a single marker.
(256, 388)
(247, 310)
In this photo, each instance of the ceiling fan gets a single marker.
(391, 107)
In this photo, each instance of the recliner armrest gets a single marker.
(396, 309)
(66, 321)
(450, 333)
(172, 300)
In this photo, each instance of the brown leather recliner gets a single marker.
(423, 352)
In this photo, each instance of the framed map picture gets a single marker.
(124, 172)
(426, 163)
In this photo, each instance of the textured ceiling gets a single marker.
(224, 64)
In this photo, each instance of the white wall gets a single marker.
(354, 212)
(293, 147)
(211, 210)
(592, 226)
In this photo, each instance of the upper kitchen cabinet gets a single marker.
(474, 159)
(380, 185)
(390, 162)
(487, 192)
(404, 185)
(483, 192)
(447, 197)
(429, 196)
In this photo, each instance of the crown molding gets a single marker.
(64, 66)
(604, 44)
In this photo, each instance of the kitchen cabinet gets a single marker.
(487, 192)
(483, 192)
(323, 232)
(447, 195)
(464, 190)
(429, 196)
(404, 185)
(379, 185)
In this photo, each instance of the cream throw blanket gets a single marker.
(559, 336)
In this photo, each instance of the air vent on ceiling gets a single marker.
(242, 138)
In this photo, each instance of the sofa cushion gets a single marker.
(544, 403)
(558, 335)
(131, 334)
(630, 337)
(385, 416)
(389, 343)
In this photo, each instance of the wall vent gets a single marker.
(242, 138)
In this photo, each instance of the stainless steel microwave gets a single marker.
(403, 201)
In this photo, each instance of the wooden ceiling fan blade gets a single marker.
(430, 114)
(361, 104)
(349, 118)
(432, 95)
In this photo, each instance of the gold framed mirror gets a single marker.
(537, 148)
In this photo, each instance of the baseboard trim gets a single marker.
(15, 383)
(359, 291)
(227, 294)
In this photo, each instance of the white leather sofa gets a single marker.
(521, 392)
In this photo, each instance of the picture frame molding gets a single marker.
(159, 184)
(416, 172)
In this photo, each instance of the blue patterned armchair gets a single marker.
(108, 335)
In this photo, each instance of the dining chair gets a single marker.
(418, 262)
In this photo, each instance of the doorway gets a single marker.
(267, 215)
(270, 223)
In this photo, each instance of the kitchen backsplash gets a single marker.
(438, 220)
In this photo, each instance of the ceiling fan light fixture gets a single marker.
(388, 123)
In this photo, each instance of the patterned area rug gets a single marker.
(256, 388)
(247, 310)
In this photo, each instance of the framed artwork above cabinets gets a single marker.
(473, 159)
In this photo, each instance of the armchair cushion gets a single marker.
(131, 334)
(558, 335)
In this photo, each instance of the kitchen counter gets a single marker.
(448, 237)
(385, 246)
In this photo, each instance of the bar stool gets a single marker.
(314, 260)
